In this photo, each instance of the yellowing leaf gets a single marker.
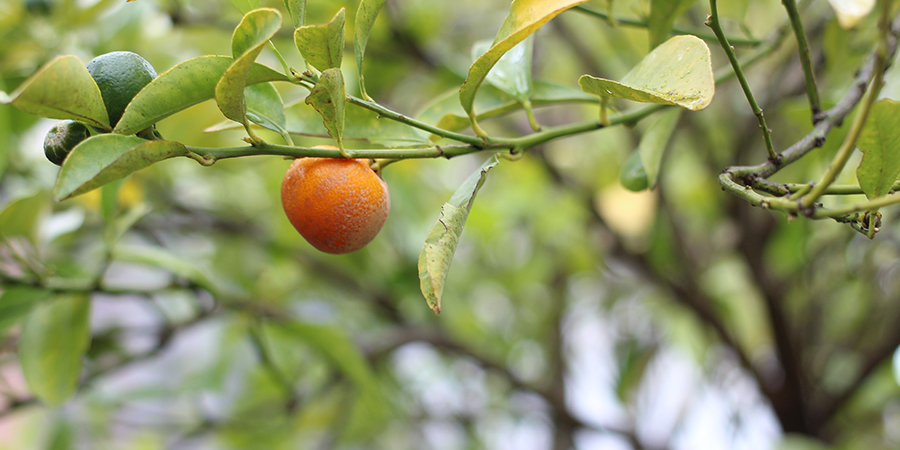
(329, 98)
(322, 45)
(440, 245)
(525, 17)
(678, 72)
(850, 12)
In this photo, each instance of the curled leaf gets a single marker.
(322, 45)
(440, 245)
(329, 98)
(678, 72)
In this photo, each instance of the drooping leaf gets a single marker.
(297, 11)
(23, 217)
(678, 72)
(265, 107)
(525, 17)
(17, 301)
(850, 12)
(440, 245)
(61, 89)
(329, 97)
(55, 336)
(108, 157)
(365, 20)
(662, 16)
(654, 141)
(247, 42)
(880, 143)
(446, 112)
(187, 84)
(322, 45)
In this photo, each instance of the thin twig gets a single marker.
(812, 91)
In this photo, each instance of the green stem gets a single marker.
(811, 90)
(384, 112)
(642, 23)
(713, 23)
(207, 155)
(548, 134)
(284, 64)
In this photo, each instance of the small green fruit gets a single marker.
(633, 176)
(62, 138)
(120, 76)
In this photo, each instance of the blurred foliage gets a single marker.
(576, 314)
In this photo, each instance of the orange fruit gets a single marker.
(338, 205)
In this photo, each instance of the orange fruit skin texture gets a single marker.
(338, 205)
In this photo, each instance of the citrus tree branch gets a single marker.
(642, 23)
(812, 91)
(713, 23)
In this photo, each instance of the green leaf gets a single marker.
(55, 337)
(108, 157)
(187, 84)
(654, 141)
(446, 112)
(17, 301)
(247, 42)
(265, 107)
(322, 45)
(850, 12)
(297, 11)
(440, 245)
(328, 97)
(632, 370)
(365, 20)
(61, 89)
(512, 73)
(677, 72)
(525, 17)
(23, 217)
(880, 143)
(159, 257)
(662, 16)
(633, 176)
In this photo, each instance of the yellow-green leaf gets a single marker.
(322, 45)
(525, 17)
(678, 72)
(329, 98)
(247, 42)
(61, 89)
(662, 16)
(440, 245)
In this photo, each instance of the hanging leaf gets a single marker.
(265, 107)
(322, 45)
(328, 97)
(633, 176)
(185, 85)
(247, 42)
(61, 89)
(108, 157)
(365, 20)
(850, 12)
(55, 336)
(512, 73)
(23, 217)
(880, 143)
(525, 17)
(654, 141)
(677, 72)
(440, 245)
(662, 16)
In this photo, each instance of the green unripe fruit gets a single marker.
(62, 138)
(633, 176)
(120, 76)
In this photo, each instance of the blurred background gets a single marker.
(577, 314)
